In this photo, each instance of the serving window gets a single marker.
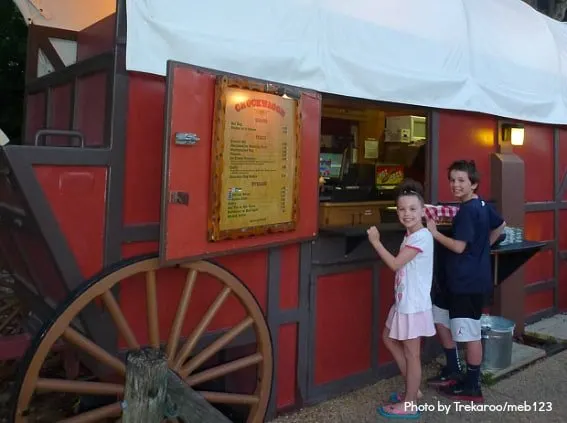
(366, 150)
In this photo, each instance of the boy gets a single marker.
(466, 281)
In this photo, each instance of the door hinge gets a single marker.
(179, 197)
(186, 138)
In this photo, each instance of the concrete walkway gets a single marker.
(543, 384)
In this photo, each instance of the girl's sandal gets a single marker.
(391, 412)
(396, 397)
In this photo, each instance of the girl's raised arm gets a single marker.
(404, 256)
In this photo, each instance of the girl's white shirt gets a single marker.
(412, 288)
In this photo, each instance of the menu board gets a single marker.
(254, 162)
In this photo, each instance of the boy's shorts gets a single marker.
(460, 313)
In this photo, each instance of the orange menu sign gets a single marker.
(254, 163)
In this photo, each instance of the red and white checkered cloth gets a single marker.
(440, 212)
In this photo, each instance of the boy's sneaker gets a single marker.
(444, 378)
(460, 391)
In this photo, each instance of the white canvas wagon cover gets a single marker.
(493, 56)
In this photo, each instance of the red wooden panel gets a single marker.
(144, 146)
(562, 286)
(191, 110)
(386, 301)
(539, 226)
(539, 267)
(289, 277)
(60, 109)
(77, 196)
(91, 108)
(139, 248)
(252, 270)
(538, 301)
(537, 154)
(563, 159)
(465, 136)
(343, 325)
(287, 366)
(35, 115)
(562, 230)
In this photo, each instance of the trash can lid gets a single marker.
(497, 323)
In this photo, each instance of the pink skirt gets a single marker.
(409, 326)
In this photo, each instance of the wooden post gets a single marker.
(188, 405)
(146, 386)
(507, 189)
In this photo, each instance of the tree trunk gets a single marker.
(560, 9)
(532, 3)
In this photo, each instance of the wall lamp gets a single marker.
(512, 133)
(289, 93)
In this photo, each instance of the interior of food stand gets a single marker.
(371, 143)
(367, 149)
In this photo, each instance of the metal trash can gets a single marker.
(497, 340)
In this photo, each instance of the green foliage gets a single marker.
(13, 43)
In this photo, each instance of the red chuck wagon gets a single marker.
(176, 190)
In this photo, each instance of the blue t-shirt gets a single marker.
(471, 272)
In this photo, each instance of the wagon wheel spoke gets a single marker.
(180, 315)
(225, 398)
(81, 342)
(120, 321)
(215, 347)
(79, 387)
(153, 312)
(224, 369)
(200, 329)
(112, 410)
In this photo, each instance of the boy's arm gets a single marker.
(496, 222)
(495, 233)
(463, 231)
(454, 245)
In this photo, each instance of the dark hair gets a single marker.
(411, 187)
(468, 166)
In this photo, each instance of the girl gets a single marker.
(411, 315)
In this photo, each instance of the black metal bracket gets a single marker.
(352, 242)
(353, 236)
(513, 256)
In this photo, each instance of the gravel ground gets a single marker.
(543, 383)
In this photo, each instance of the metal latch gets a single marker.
(179, 197)
(186, 138)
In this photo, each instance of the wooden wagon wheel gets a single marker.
(179, 351)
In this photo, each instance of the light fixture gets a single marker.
(289, 93)
(512, 133)
(517, 136)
